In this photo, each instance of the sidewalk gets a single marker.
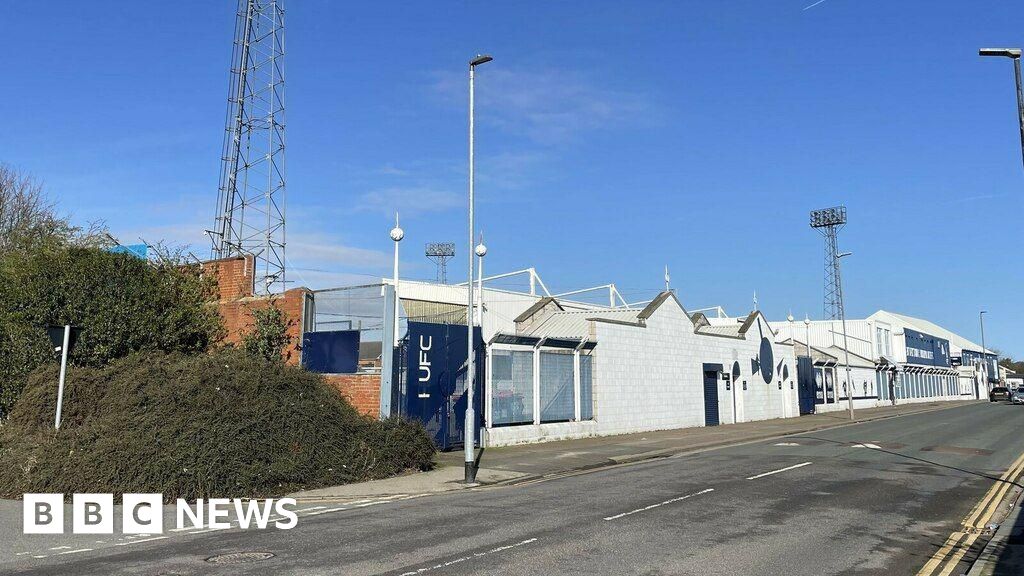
(1004, 553)
(513, 464)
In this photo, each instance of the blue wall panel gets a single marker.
(332, 352)
(925, 349)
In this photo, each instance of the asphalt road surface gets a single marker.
(874, 498)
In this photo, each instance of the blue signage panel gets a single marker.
(436, 379)
(926, 349)
(331, 352)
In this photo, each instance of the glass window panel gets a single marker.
(586, 387)
(511, 387)
(556, 389)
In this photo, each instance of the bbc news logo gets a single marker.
(144, 513)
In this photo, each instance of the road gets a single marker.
(875, 498)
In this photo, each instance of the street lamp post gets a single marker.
(984, 351)
(470, 432)
(481, 251)
(842, 317)
(396, 234)
(1014, 54)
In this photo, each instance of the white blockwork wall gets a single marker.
(651, 377)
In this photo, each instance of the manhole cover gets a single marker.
(239, 557)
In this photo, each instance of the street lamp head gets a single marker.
(807, 321)
(480, 59)
(1005, 52)
(481, 250)
(844, 254)
(983, 312)
(397, 234)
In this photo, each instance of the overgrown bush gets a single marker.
(123, 304)
(225, 424)
(269, 333)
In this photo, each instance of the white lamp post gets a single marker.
(396, 234)
(481, 251)
(470, 426)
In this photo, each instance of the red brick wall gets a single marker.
(235, 276)
(236, 302)
(361, 390)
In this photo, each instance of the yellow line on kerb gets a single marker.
(960, 542)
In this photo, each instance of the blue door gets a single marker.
(806, 388)
(711, 394)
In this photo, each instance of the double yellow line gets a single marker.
(961, 541)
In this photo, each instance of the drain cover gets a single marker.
(239, 557)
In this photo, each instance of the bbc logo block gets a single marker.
(93, 513)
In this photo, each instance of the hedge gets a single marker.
(225, 424)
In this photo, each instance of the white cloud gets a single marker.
(410, 200)
(548, 106)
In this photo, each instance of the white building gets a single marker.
(575, 373)
(913, 360)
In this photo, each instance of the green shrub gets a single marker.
(269, 333)
(124, 305)
(225, 424)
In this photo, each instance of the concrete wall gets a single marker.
(651, 377)
(648, 378)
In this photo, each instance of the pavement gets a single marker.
(879, 497)
(1004, 554)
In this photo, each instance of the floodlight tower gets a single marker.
(440, 253)
(829, 221)
(251, 196)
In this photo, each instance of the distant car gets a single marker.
(1017, 397)
(999, 393)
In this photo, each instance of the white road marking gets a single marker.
(60, 548)
(140, 541)
(41, 556)
(475, 555)
(77, 551)
(795, 466)
(872, 446)
(311, 508)
(327, 510)
(787, 444)
(645, 508)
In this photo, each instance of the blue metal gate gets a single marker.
(711, 372)
(434, 390)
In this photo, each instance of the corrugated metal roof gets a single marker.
(576, 323)
(721, 329)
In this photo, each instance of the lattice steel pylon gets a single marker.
(829, 221)
(251, 196)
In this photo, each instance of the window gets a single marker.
(586, 387)
(883, 338)
(512, 387)
(557, 403)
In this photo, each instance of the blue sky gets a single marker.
(613, 138)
